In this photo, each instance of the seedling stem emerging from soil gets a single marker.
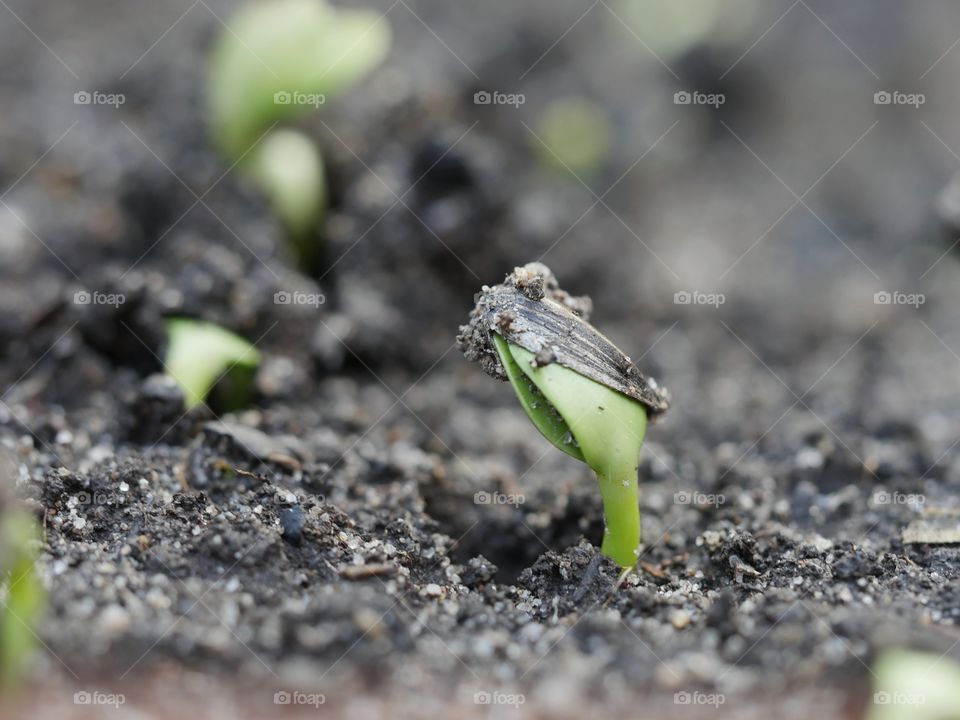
(592, 423)
(23, 596)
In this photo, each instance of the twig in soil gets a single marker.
(240, 471)
(624, 574)
(361, 572)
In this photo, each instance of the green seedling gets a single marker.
(574, 134)
(592, 423)
(274, 62)
(280, 58)
(911, 685)
(201, 356)
(23, 596)
(288, 168)
(668, 28)
(581, 393)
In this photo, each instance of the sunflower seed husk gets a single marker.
(530, 310)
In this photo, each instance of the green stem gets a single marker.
(608, 428)
(621, 538)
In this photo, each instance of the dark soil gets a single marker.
(336, 537)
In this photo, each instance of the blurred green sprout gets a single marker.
(574, 134)
(202, 356)
(912, 685)
(666, 27)
(280, 58)
(288, 168)
(275, 61)
(22, 594)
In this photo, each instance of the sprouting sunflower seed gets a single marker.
(583, 394)
(530, 310)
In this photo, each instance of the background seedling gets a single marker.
(22, 594)
(275, 61)
(912, 685)
(583, 394)
(574, 134)
(275, 50)
(668, 28)
(201, 355)
(288, 168)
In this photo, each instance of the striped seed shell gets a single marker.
(531, 311)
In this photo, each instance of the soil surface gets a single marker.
(382, 530)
